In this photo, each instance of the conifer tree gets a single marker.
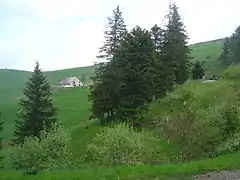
(235, 46)
(198, 70)
(104, 92)
(1, 128)
(175, 51)
(225, 57)
(136, 58)
(160, 83)
(116, 29)
(37, 112)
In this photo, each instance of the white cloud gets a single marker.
(68, 33)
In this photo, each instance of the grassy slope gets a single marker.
(74, 110)
(150, 172)
(209, 52)
(12, 83)
(55, 76)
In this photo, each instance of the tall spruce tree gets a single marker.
(37, 112)
(226, 55)
(116, 29)
(136, 58)
(104, 92)
(231, 49)
(198, 70)
(160, 83)
(1, 128)
(175, 51)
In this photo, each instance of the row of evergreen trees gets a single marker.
(141, 65)
(36, 112)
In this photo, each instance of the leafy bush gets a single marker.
(35, 155)
(232, 73)
(197, 118)
(122, 145)
(194, 131)
(232, 144)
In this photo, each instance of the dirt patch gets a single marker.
(221, 175)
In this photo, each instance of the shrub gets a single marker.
(230, 145)
(198, 118)
(122, 145)
(232, 73)
(35, 155)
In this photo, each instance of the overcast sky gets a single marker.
(67, 33)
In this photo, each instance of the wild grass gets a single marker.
(168, 172)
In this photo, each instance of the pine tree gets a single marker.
(160, 83)
(231, 49)
(198, 70)
(104, 92)
(1, 128)
(157, 37)
(225, 57)
(136, 58)
(235, 46)
(37, 111)
(116, 29)
(175, 51)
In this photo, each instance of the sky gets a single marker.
(64, 34)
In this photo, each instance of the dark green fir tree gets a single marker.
(104, 92)
(225, 57)
(160, 75)
(198, 70)
(136, 59)
(175, 50)
(37, 112)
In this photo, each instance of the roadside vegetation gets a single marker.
(151, 115)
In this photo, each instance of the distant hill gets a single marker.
(13, 81)
(209, 52)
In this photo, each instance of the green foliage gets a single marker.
(230, 51)
(116, 29)
(182, 171)
(136, 63)
(10, 92)
(226, 57)
(232, 73)
(198, 117)
(122, 145)
(104, 92)
(48, 152)
(232, 144)
(160, 83)
(37, 112)
(198, 70)
(175, 50)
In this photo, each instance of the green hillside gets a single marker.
(208, 52)
(73, 108)
(55, 76)
(13, 81)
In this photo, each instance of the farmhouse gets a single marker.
(70, 82)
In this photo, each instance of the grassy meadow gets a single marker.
(73, 110)
(199, 112)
